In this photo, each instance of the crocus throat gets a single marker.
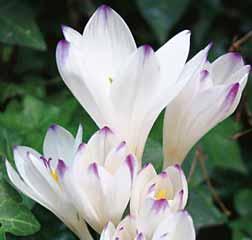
(161, 194)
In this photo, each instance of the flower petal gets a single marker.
(172, 57)
(180, 187)
(175, 111)
(108, 41)
(75, 74)
(58, 144)
(177, 226)
(139, 81)
(101, 144)
(108, 232)
(139, 188)
(222, 68)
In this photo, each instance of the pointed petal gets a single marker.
(108, 42)
(222, 68)
(72, 36)
(108, 232)
(139, 81)
(180, 187)
(139, 188)
(31, 176)
(20, 184)
(78, 138)
(120, 189)
(172, 57)
(75, 74)
(58, 144)
(177, 108)
(101, 144)
(151, 215)
(176, 226)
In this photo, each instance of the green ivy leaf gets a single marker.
(17, 219)
(18, 26)
(243, 200)
(202, 208)
(221, 150)
(162, 14)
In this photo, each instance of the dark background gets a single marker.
(32, 96)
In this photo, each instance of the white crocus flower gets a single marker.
(100, 179)
(154, 193)
(175, 226)
(209, 97)
(41, 177)
(118, 84)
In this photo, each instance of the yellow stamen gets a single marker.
(55, 175)
(161, 194)
(110, 80)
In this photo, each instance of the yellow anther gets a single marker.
(161, 194)
(55, 175)
(110, 80)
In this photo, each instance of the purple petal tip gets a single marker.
(53, 127)
(105, 10)
(94, 169)
(140, 236)
(203, 74)
(232, 93)
(61, 168)
(62, 50)
(163, 174)
(178, 167)
(130, 163)
(235, 57)
(121, 146)
(147, 49)
(15, 147)
(106, 130)
(81, 146)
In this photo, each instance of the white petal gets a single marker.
(20, 185)
(178, 226)
(207, 109)
(116, 157)
(119, 190)
(76, 75)
(172, 57)
(139, 81)
(222, 68)
(72, 36)
(139, 188)
(151, 215)
(108, 232)
(78, 139)
(178, 107)
(108, 41)
(101, 144)
(58, 144)
(32, 176)
(180, 187)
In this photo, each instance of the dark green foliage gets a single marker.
(32, 96)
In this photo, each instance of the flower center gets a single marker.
(161, 194)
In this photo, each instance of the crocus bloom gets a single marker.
(176, 226)
(208, 98)
(154, 194)
(41, 177)
(100, 179)
(118, 84)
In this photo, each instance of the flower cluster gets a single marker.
(102, 183)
